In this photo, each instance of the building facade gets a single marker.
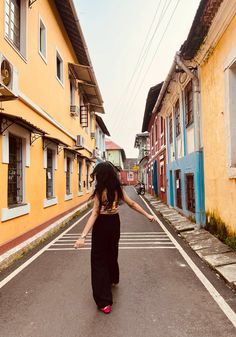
(101, 132)
(154, 124)
(179, 103)
(215, 53)
(115, 154)
(129, 175)
(142, 144)
(49, 96)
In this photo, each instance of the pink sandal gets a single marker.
(106, 310)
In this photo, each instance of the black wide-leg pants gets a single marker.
(104, 257)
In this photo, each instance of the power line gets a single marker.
(140, 55)
(167, 26)
(162, 15)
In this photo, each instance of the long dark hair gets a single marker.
(106, 179)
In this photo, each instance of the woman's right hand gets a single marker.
(150, 217)
(79, 243)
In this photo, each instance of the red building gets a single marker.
(156, 165)
(129, 174)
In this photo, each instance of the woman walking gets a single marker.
(105, 222)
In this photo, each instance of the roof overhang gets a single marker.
(6, 120)
(86, 81)
(102, 125)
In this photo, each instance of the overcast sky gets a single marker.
(132, 44)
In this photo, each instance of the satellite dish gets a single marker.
(6, 72)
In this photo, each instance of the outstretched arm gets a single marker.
(132, 204)
(95, 212)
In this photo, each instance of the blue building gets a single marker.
(179, 103)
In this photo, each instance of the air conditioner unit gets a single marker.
(93, 135)
(74, 111)
(8, 80)
(80, 141)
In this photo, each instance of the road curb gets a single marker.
(216, 254)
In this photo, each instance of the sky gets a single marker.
(132, 44)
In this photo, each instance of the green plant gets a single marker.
(216, 226)
(231, 242)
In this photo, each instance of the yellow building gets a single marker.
(49, 96)
(211, 46)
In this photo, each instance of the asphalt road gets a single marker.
(159, 295)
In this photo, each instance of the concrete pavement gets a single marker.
(218, 255)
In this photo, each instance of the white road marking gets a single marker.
(34, 257)
(88, 248)
(210, 288)
(128, 240)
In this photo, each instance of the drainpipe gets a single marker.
(195, 99)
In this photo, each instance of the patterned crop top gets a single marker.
(106, 209)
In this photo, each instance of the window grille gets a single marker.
(177, 119)
(68, 175)
(49, 174)
(15, 171)
(171, 129)
(12, 21)
(188, 104)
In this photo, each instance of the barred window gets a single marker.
(188, 104)
(15, 171)
(80, 168)
(15, 23)
(50, 174)
(177, 119)
(171, 129)
(68, 175)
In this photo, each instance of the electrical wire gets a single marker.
(149, 66)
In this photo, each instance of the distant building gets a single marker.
(142, 144)
(129, 175)
(115, 154)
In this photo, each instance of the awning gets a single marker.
(88, 85)
(48, 139)
(6, 120)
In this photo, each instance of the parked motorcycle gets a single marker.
(140, 188)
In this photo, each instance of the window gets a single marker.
(42, 39)
(15, 171)
(72, 93)
(87, 175)
(171, 129)
(230, 116)
(177, 119)
(12, 21)
(178, 188)
(15, 23)
(188, 104)
(59, 67)
(130, 176)
(80, 170)
(162, 175)
(50, 174)
(68, 175)
(162, 131)
(190, 192)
